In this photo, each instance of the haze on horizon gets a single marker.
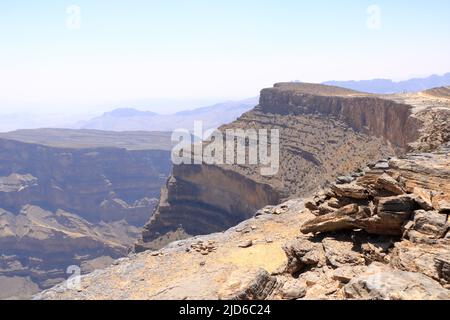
(92, 56)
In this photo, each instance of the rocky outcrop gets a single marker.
(266, 257)
(378, 230)
(203, 199)
(68, 206)
(381, 283)
(212, 266)
(108, 184)
(324, 132)
(412, 188)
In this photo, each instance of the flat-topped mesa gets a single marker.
(381, 117)
(324, 132)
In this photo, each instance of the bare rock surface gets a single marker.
(74, 198)
(384, 234)
(381, 283)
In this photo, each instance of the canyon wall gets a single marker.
(62, 206)
(325, 132)
(104, 184)
(375, 115)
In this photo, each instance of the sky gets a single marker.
(84, 56)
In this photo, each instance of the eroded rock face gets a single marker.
(323, 133)
(381, 232)
(108, 184)
(69, 206)
(379, 208)
(413, 262)
(204, 199)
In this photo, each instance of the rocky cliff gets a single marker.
(72, 205)
(382, 235)
(324, 132)
(379, 232)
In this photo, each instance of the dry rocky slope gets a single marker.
(324, 132)
(381, 232)
(384, 235)
(78, 200)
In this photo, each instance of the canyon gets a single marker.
(384, 235)
(73, 198)
(325, 132)
(381, 231)
(359, 209)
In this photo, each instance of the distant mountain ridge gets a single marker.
(385, 86)
(129, 112)
(130, 119)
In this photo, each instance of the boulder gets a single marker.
(302, 255)
(430, 224)
(386, 182)
(293, 289)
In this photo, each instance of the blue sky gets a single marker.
(171, 55)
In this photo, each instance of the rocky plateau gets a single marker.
(358, 210)
(79, 199)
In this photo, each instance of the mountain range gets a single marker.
(129, 119)
(385, 86)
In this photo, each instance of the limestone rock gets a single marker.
(442, 264)
(380, 283)
(420, 257)
(386, 182)
(402, 203)
(303, 254)
(354, 217)
(353, 191)
(423, 198)
(293, 289)
(340, 253)
(346, 273)
(246, 244)
(430, 224)
(253, 286)
(441, 202)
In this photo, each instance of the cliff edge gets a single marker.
(325, 132)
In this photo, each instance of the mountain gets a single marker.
(129, 112)
(357, 210)
(128, 119)
(384, 86)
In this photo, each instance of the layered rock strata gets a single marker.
(341, 254)
(63, 206)
(324, 132)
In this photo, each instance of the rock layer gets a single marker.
(324, 132)
(380, 231)
(63, 206)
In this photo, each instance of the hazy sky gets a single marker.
(178, 53)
